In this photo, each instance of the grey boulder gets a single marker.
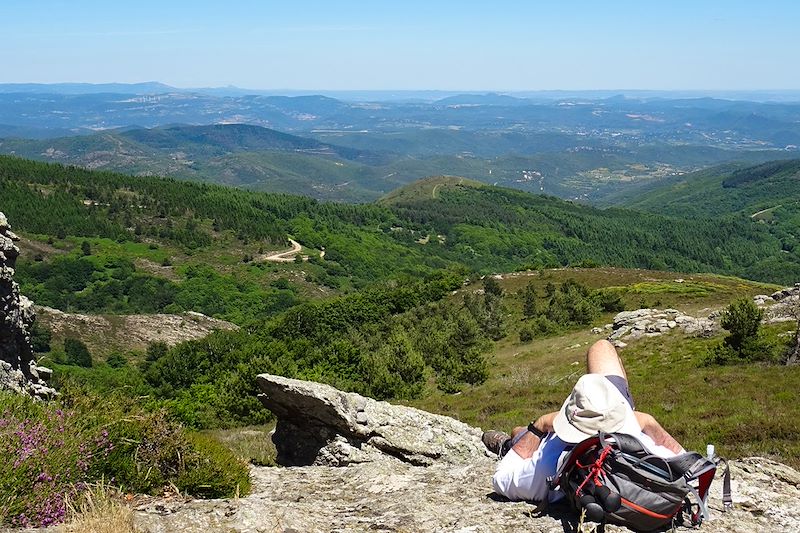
(320, 425)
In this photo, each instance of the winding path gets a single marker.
(286, 256)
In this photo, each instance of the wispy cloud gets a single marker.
(122, 33)
(323, 28)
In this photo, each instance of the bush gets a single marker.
(525, 335)
(530, 307)
(490, 286)
(47, 454)
(50, 453)
(154, 452)
(543, 326)
(211, 470)
(77, 353)
(745, 341)
(742, 319)
(610, 300)
(116, 360)
(40, 338)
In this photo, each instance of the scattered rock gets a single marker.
(786, 292)
(762, 299)
(653, 322)
(597, 330)
(786, 307)
(18, 370)
(318, 424)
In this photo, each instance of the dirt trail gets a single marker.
(286, 256)
(765, 210)
(435, 187)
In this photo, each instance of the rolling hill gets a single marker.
(721, 190)
(359, 167)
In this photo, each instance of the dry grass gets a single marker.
(99, 510)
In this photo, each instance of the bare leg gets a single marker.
(602, 358)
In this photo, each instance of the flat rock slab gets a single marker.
(318, 424)
(396, 496)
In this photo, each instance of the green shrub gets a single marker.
(530, 307)
(745, 341)
(742, 319)
(116, 360)
(610, 300)
(49, 453)
(77, 353)
(543, 326)
(154, 452)
(40, 338)
(525, 334)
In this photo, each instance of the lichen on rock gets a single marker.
(321, 425)
(18, 369)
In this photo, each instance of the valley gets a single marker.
(378, 275)
(580, 148)
(469, 293)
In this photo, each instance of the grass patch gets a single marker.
(251, 443)
(693, 288)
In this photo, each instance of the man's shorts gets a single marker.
(622, 385)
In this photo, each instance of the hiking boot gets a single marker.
(496, 441)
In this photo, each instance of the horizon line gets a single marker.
(367, 89)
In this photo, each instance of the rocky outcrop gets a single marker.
(106, 333)
(392, 496)
(18, 370)
(389, 492)
(782, 306)
(631, 325)
(321, 425)
(786, 292)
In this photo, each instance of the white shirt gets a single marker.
(526, 479)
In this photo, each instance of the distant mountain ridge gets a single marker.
(148, 87)
(352, 166)
(495, 99)
(218, 139)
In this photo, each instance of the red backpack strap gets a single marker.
(570, 460)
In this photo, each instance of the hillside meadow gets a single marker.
(745, 409)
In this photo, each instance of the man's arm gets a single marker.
(653, 429)
(545, 422)
(529, 443)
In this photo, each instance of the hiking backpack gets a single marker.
(614, 479)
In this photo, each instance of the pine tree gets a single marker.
(530, 306)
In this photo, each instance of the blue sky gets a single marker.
(408, 44)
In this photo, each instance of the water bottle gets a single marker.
(710, 452)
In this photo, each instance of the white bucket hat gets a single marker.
(594, 405)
